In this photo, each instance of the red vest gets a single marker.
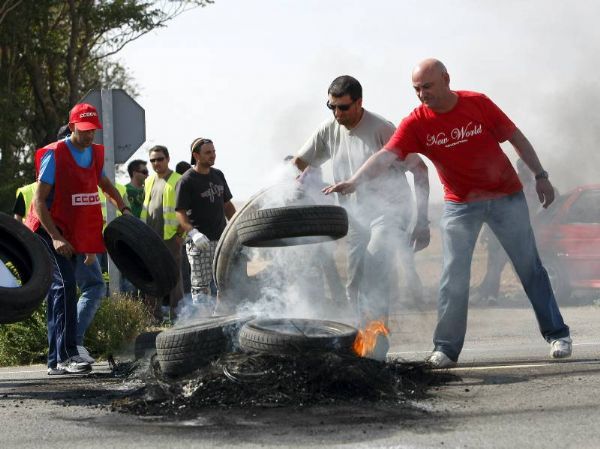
(76, 208)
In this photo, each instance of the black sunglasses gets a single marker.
(156, 159)
(341, 107)
(144, 171)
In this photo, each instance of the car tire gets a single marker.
(559, 280)
(141, 255)
(145, 345)
(31, 261)
(182, 350)
(293, 225)
(296, 336)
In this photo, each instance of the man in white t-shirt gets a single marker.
(378, 211)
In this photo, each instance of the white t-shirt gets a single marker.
(348, 149)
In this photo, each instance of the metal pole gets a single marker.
(108, 132)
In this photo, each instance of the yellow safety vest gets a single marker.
(168, 203)
(28, 192)
(122, 191)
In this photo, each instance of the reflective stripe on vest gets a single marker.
(168, 203)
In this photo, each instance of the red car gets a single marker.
(568, 236)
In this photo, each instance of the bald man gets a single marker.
(460, 132)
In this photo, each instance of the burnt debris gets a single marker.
(266, 380)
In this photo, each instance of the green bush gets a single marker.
(118, 321)
(25, 342)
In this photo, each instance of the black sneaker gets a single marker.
(75, 365)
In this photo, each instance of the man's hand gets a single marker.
(545, 192)
(200, 240)
(63, 247)
(90, 258)
(420, 237)
(344, 188)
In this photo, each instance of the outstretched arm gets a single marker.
(421, 234)
(525, 150)
(376, 164)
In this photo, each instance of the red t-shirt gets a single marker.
(463, 144)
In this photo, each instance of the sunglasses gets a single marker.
(144, 171)
(156, 159)
(341, 107)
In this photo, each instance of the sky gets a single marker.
(252, 75)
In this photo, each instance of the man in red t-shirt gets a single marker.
(460, 132)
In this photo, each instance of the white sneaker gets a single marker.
(85, 355)
(561, 348)
(437, 359)
(74, 365)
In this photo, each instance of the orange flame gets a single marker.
(366, 339)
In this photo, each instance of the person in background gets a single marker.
(158, 212)
(67, 216)
(203, 208)
(186, 270)
(138, 172)
(460, 132)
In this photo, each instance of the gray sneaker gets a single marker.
(56, 371)
(437, 359)
(75, 365)
(561, 348)
(85, 355)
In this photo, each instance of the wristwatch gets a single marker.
(542, 175)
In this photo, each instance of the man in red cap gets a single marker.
(67, 216)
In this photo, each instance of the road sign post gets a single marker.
(123, 132)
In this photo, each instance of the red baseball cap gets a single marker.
(85, 117)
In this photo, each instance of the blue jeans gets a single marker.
(93, 289)
(508, 218)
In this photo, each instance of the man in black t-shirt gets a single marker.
(203, 205)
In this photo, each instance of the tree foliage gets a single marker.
(51, 53)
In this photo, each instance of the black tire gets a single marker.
(31, 260)
(145, 345)
(185, 349)
(293, 225)
(296, 336)
(561, 285)
(141, 255)
(229, 264)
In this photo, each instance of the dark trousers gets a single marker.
(62, 305)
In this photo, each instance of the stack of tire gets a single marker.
(29, 262)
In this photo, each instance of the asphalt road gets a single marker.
(505, 393)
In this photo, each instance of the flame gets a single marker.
(366, 339)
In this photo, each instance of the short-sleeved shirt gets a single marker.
(136, 198)
(203, 197)
(463, 144)
(348, 149)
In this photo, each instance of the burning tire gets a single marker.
(145, 345)
(184, 349)
(141, 255)
(31, 265)
(296, 336)
(293, 225)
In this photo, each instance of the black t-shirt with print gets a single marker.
(203, 197)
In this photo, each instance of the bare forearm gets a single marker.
(229, 209)
(526, 152)
(42, 211)
(421, 180)
(112, 193)
(375, 165)
(184, 221)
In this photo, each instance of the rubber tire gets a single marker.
(30, 257)
(184, 349)
(266, 336)
(229, 264)
(145, 345)
(293, 225)
(141, 255)
(559, 280)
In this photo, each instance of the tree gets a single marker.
(51, 53)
